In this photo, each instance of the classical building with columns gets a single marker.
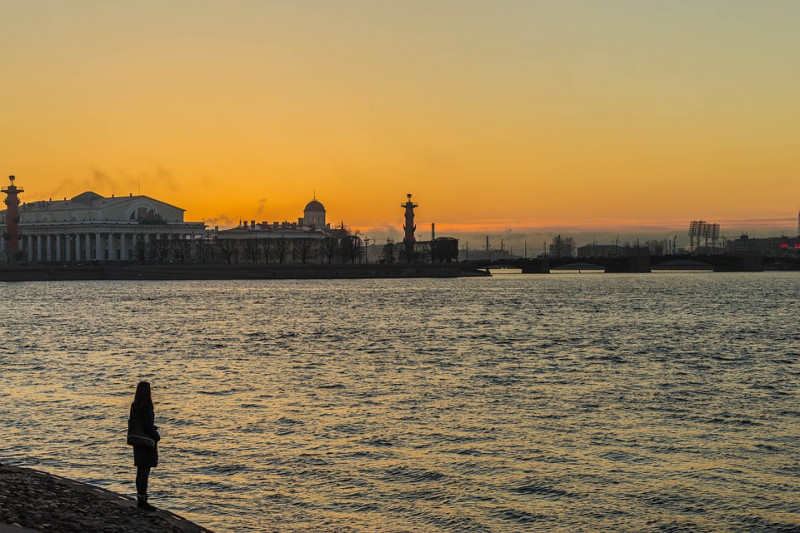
(90, 227)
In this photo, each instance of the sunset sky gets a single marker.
(503, 117)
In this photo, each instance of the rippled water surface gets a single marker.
(514, 403)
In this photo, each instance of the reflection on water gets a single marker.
(511, 403)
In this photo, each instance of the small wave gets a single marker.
(312, 460)
(520, 517)
(606, 358)
(91, 417)
(625, 457)
(413, 475)
(540, 489)
(378, 442)
(725, 420)
(363, 454)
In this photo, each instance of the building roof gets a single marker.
(314, 205)
(87, 196)
(88, 199)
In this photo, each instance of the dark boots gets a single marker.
(141, 502)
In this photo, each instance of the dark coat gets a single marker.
(144, 455)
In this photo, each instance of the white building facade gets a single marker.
(90, 227)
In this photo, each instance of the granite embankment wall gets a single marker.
(210, 272)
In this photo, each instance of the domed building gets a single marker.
(314, 214)
(91, 227)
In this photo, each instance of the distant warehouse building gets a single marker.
(91, 227)
(598, 250)
(764, 246)
(614, 250)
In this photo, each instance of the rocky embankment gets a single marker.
(39, 501)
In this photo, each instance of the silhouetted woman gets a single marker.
(144, 457)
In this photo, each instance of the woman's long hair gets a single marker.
(142, 397)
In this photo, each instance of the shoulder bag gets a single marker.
(136, 436)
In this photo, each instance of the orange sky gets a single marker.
(518, 116)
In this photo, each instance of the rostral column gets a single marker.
(409, 228)
(11, 235)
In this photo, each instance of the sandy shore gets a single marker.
(31, 500)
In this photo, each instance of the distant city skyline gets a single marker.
(515, 118)
(527, 237)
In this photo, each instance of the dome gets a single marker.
(314, 205)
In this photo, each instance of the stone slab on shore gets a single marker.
(38, 501)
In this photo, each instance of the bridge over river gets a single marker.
(647, 263)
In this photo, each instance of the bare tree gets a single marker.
(303, 249)
(203, 249)
(389, 251)
(266, 249)
(351, 248)
(406, 253)
(159, 250)
(251, 250)
(280, 249)
(422, 252)
(562, 246)
(229, 249)
(329, 248)
(180, 249)
(140, 249)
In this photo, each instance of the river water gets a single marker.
(564, 402)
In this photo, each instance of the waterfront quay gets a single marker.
(121, 271)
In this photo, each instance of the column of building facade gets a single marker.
(118, 245)
(123, 247)
(111, 251)
(29, 248)
(113, 241)
(77, 247)
(67, 248)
